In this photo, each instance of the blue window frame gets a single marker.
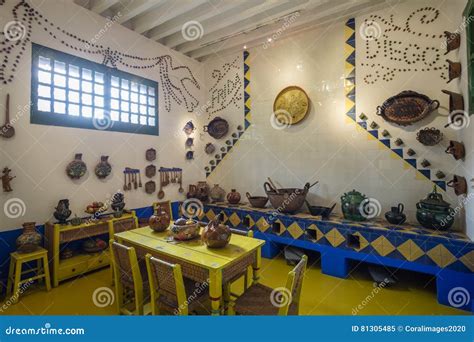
(70, 91)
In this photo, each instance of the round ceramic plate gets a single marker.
(291, 105)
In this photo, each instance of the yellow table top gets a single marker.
(194, 251)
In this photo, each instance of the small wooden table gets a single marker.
(202, 264)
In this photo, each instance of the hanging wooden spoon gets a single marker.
(135, 182)
(161, 193)
(181, 190)
(139, 179)
(7, 130)
(125, 187)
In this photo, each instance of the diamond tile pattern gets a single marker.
(334, 237)
(441, 256)
(234, 219)
(295, 230)
(410, 250)
(383, 246)
(262, 224)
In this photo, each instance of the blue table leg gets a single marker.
(333, 264)
(456, 289)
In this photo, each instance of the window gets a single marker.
(70, 91)
(469, 23)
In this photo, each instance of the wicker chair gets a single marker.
(263, 300)
(173, 293)
(129, 292)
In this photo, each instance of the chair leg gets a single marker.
(11, 272)
(226, 296)
(16, 281)
(47, 278)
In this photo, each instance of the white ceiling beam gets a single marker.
(100, 6)
(224, 20)
(248, 22)
(136, 7)
(165, 12)
(204, 12)
(315, 18)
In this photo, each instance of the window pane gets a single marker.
(151, 91)
(134, 108)
(73, 96)
(114, 115)
(142, 89)
(87, 99)
(143, 120)
(60, 94)
(98, 113)
(44, 63)
(44, 105)
(124, 117)
(99, 89)
(151, 122)
(87, 111)
(114, 92)
(134, 86)
(151, 111)
(86, 74)
(73, 109)
(98, 101)
(59, 80)
(60, 67)
(125, 106)
(115, 81)
(124, 84)
(59, 107)
(134, 119)
(44, 77)
(99, 77)
(73, 70)
(134, 97)
(151, 101)
(44, 91)
(114, 104)
(143, 110)
(124, 94)
(87, 86)
(73, 83)
(142, 99)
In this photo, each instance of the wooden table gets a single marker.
(202, 264)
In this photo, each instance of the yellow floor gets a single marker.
(322, 295)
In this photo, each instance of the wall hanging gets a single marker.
(6, 180)
(189, 155)
(291, 105)
(454, 70)
(150, 154)
(150, 187)
(407, 108)
(150, 171)
(456, 101)
(435, 213)
(132, 179)
(429, 136)
(210, 148)
(456, 149)
(62, 211)
(76, 168)
(453, 41)
(7, 130)
(189, 142)
(217, 128)
(459, 184)
(103, 168)
(170, 175)
(177, 82)
(189, 128)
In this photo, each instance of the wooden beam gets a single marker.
(163, 13)
(200, 14)
(136, 7)
(243, 23)
(100, 6)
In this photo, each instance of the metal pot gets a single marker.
(435, 213)
(217, 128)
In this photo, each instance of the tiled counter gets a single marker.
(448, 256)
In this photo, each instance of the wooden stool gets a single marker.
(15, 272)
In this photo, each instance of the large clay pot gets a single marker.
(62, 212)
(30, 240)
(202, 191)
(217, 194)
(77, 168)
(216, 234)
(160, 221)
(103, 168)
(233, 197)
(435, 213)
(350, 203)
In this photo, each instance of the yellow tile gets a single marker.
(334, 237)
(210, 215)
(295, 230)
(382, 246)
(441, 256)
(262, 224)
(468, 260)
(234, 219)
(410, 250)
(362, 240)
(319, 233)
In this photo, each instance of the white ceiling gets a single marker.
(225, 25)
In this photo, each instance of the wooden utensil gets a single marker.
(273, 185)
(135, 182)
(129, 179)
(161, 193)
(139, 179)
(7, 130)
(313, 184)
(125, 188)
(181, 190)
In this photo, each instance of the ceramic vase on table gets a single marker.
(216, 234)
(233, 197)
(160, 221)
(217, 194)
(29, 240)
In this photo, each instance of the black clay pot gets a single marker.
(396, 215)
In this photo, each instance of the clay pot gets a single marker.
(217, 194)
(459, 184)
(62, 212)
(202, 191)
(103, 168)
(456, 101)
(216, 234)
(30, 240)
(233, 197)
(77, 168)
(453, 41)
(210, 148)
(160, 221)
(257, 201)
(396, 215)
(456, 149)
(454, 70)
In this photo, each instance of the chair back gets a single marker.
(294, 284)
(127, 275)
(248, 233)
(166, 280)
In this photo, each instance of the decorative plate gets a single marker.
(429, 136)
(77, 168)
(291, 105)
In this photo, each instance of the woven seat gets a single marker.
(171, 292)
(259, 299)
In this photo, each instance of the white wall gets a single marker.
(326, 146)
(38, 154)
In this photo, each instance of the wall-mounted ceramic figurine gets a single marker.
(210, 148)
(454, 70)
(453, 41)
(385, 133)
(429, 136)
(189, 128)
(399, 142)
(190, 155)
(440, 174)
(150, 154)
(363, 117)
(411, 152)
(425, 163)
(459, 184)
(103, 168)
(6, 180)
(374, 125)
(189, 142)
(456, 149)
(7, 130)
(77, 168)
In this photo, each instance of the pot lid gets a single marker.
(435, 199)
